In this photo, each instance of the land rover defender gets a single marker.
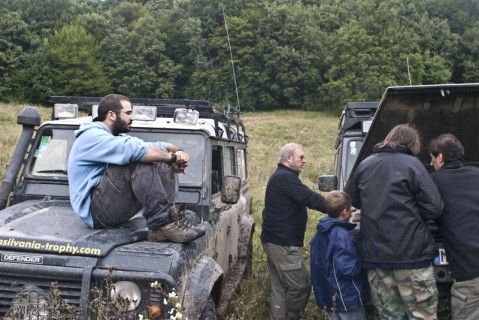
(42, 241)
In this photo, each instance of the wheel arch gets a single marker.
(205, 280)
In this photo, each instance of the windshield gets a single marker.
(51, 152)
(193, 144)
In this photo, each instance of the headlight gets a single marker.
(126, 295)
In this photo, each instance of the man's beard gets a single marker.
(120, 127)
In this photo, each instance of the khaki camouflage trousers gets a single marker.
(404, 293)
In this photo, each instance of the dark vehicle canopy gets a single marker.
(432, 110)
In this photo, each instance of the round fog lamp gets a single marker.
(30, 303)
(126, 295)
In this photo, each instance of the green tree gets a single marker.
(134, 58)
(467, 66)
(15, 42)
(381, 49)
(288, 49)
(74, 60)
(48, 15)
(35, 82)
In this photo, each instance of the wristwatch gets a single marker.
(173, 159)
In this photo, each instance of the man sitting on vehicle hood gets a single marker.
(112, 176)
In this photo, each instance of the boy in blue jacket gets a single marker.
(335, 262)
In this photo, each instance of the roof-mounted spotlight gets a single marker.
(186, 116)
(144, 113)
(94, 111)
(65, 111)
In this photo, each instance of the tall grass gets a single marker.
(10, 131)
(268, 132)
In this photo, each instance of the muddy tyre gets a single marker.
(209, 312)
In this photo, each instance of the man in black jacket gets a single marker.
(284, 225)
(459, 225)
(396, 196)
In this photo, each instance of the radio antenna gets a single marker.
(231, 57)
(408, 71)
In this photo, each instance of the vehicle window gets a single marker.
(51, 154)
(240, 155)
(216, 169)
(230, 165)
(193, 144)
(352, 151)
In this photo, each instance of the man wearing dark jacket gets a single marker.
(397, 196)
(459, 225)
(284, 225)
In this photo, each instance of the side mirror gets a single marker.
(230, 192)
(328, 183)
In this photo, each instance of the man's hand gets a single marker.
(178, 169)
(181, 156)
(181, 161)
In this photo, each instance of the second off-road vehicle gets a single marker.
(353, 126)
(433, 110)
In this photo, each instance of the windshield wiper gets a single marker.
(53, 171)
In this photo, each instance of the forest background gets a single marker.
(285, 54)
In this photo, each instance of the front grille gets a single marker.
(26, 286)
(11, 285)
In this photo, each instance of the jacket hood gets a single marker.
(90, 125)
(326, 223)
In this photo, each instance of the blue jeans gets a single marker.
(350, 315)
(125, 190)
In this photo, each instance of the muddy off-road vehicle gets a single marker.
(353, 125)
(42, 241)
(433, 110)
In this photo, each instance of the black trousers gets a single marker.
(125, 190)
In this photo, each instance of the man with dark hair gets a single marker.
(113, 176)
(459, 225)
(284, 224)
(397, 196)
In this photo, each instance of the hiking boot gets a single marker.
(181, 219)
(174, 232)
(188, 225)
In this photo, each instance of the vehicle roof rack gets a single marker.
(355, 112)
(166, 109)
